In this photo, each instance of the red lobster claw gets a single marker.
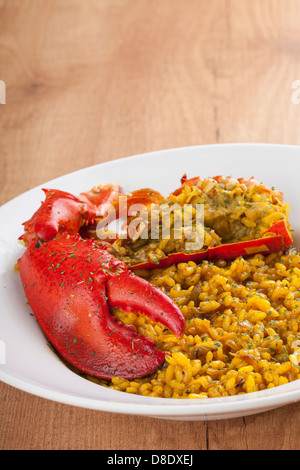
(71, 285)
(61, 211)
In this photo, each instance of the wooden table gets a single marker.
(95, 80)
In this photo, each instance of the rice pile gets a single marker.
(242, 328)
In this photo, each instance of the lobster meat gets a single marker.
(72, 285)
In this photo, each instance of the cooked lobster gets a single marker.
(72, 285)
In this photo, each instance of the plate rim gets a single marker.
(182, 407)
(149, 154)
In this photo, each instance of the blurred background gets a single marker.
(89, 81)
(94, 80)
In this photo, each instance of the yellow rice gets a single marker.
(234, 211)
(242, 328)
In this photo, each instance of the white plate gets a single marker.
(29, 363)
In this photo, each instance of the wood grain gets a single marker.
(93, 81)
